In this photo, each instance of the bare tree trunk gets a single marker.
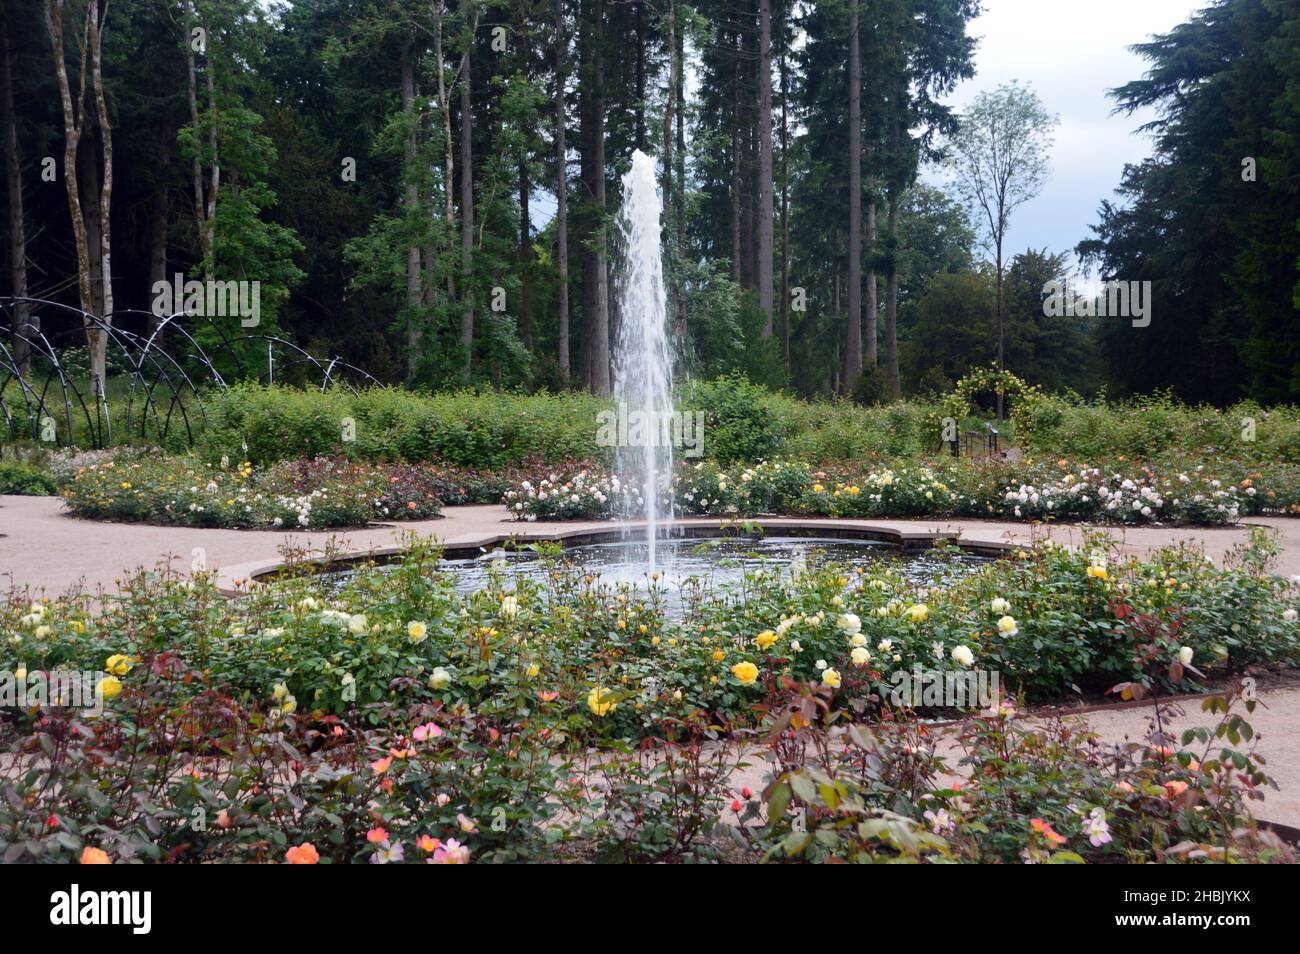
(873, 301)
(74, 117)
(670, 102)
(735, 163)
(891, 301)
(642, 136)
(679, 97)
(214, 175)
(89, 183)
(159, 213)
(525, 254)
(205, 195)
(466, 211)
(584, 217)
(671, 208)
(414, 296)
(766, 238)
(785, 213)
(99, 342)
(1001, 336)
(853, 323)
(23, 326)
(200, 208)
(561, 194)
(599, 353)
(749, 148)
(525, 259)
(448, 145)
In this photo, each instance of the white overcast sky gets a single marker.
(1071, 52)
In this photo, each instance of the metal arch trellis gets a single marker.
(156, 373)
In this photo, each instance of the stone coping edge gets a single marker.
(233, 580)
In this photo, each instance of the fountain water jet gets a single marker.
(643, 360)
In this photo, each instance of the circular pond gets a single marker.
(685, 566)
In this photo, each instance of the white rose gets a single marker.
(962, 656)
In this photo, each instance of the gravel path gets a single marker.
(42, 547)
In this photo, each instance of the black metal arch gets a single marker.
(155, 375)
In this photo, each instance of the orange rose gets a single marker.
(1174, 789)
(304, 854)
(94, 856)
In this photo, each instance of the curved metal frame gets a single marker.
(165, 370)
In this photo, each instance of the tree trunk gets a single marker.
(214, 175)
(466, 211)
(583, 221)
(525, 253)
(448, 144)
(1001, 337)
(525, 258)
(853, 322)
(23, 323)
(642, 136)
(159, 212)
(679, 52)
(671, 249)
(205, 194)
(599, 349)
(200, 208)
(766, 238)
(873, 299)
(99, 341)
(670, 102)
(735, 163)
(414, 293)
(89, 183)
(785, 213)
(891, 301)
(561, 194)
(73, 125)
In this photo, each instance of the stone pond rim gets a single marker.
(906, 541)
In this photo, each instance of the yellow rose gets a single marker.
(918, 612)
(719, 655)
(533, 670)
(601, 702)
(831, 677)
(416, 631)
(110, 686)
(746, 672)
(1098, 572)
(765, 639)
(118, 665)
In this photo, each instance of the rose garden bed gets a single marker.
(395, 720)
